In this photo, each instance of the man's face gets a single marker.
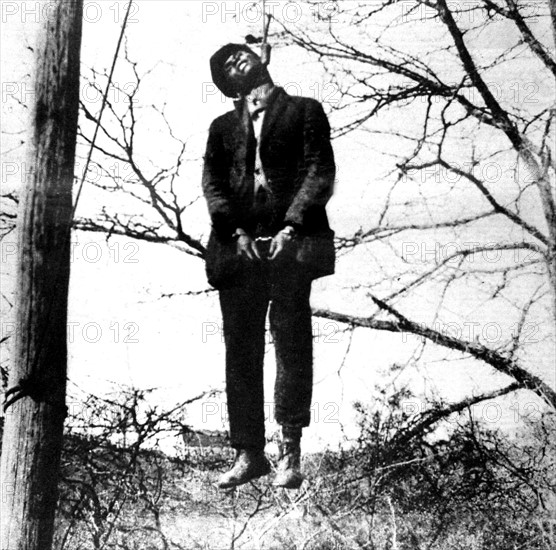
(241, 68)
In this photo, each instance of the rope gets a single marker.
(265, 49)
(28, 385)
(265, 26)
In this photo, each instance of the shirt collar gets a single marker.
(257, 98)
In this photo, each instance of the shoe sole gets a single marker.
(243, 482)
(294, 484)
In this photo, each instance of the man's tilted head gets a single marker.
(236, 69)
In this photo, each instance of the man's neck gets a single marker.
(261, 92)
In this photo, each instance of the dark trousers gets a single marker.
(244, 311)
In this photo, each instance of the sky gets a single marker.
(122, 328)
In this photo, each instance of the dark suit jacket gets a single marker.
(298, 163)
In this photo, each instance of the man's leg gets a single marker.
(290, 321)
(243, 314)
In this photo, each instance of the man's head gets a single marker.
(236, 69)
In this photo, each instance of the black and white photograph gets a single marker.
(278, 275)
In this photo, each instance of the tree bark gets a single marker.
(33, 430)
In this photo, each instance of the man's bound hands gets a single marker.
(247, 247)
(281, 243)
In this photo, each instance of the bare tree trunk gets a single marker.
(34, 420)
(541, 177)
(552, 252)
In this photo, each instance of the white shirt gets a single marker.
(254, 101)
(259, 176)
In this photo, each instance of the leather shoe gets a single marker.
(248, 465)
(288, 473)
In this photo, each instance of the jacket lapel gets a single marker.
(277, 102)
(246, 126)
(245, 145)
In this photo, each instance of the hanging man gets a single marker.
(268, 174)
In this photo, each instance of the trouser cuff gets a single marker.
(291, 432)
(248, 445)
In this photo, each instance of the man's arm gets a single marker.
(215, 183)
(317, 186)
(217, 193)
